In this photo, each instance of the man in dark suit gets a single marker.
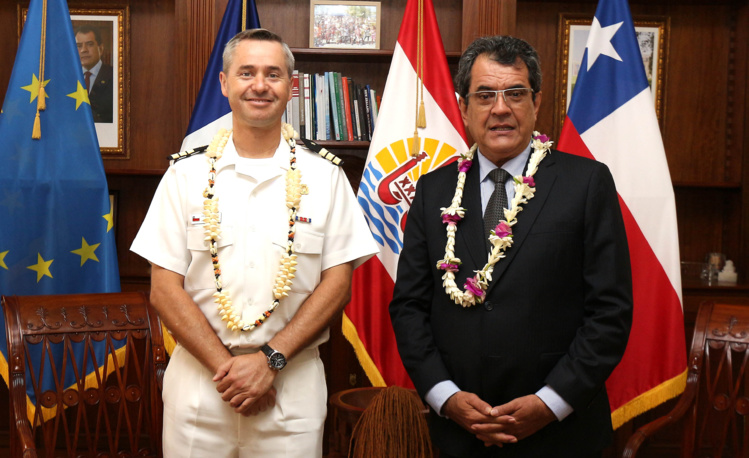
(97, 75)
(511, 340)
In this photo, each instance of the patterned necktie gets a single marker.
(87, 77)
(497, 202)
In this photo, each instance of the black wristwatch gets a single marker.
(276, 360)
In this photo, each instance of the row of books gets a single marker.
(330, 106)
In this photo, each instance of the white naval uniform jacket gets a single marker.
(254, 225)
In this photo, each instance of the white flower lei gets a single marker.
(501, 236)
(288, 263)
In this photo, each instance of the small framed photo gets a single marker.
(344, 24)
(652, 36)
(103, 44)
(102, 36)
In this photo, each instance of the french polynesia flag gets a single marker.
(612, 119)
(389, 181)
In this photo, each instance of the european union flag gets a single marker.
(56, 236)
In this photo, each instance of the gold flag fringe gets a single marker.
(649, 399)
(370, 369)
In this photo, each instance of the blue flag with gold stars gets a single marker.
(56, 234)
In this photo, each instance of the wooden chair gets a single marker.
(115, 411)
(714, 407)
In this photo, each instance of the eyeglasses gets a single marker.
(512, 97)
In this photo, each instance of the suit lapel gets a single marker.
(545, 178)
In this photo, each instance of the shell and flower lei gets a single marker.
(287, 267)
(501, 237)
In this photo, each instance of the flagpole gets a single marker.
(244, 15)
(41, 103)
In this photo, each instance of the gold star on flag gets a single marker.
(2, 260)
(86, 251)
(33, 88)
(41, 267)
(110, 219)
(80, 95)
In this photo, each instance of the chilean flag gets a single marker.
(612, 119)
(389, 181)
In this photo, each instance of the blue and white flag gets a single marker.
(612, 119)
(56, 236)
(212, 111)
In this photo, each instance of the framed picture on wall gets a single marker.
(344, 24)
(652, 36)
(102, 38)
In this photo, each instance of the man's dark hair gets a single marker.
(86, 29)
(505, 50)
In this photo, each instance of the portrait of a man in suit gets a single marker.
(509, 322)
(97, 75)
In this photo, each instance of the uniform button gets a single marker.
(297, 246)
(488, 306)
(252, 265)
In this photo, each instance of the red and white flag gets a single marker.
(612, 119)
(418, 72)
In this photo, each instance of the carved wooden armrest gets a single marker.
(20, 421)
(685, 403)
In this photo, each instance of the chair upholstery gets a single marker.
(118, 410)
(714, 406)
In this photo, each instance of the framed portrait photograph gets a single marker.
(344, 24)
(102, 38)
(652, 36)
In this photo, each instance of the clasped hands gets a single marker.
(505, 424)
(246, 383)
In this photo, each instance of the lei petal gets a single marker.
(501, 237)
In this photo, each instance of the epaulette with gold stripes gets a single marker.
(312, 146)
(185, 154)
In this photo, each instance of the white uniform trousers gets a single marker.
(198, 423)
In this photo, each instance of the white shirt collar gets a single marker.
(514, 166)
(94, 70)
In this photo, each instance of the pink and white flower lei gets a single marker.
(501, 236)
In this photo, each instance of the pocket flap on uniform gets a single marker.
(196, 238)
(305, 242)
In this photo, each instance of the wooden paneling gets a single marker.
(155, 127)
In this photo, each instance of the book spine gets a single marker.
(307, 107)
(336, 128)
(320, 104)
(294, 119)
(347, 108)
(302, 109)
(368, 110)
(339, 105)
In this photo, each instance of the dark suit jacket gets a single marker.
(100, 95)
(557, 312)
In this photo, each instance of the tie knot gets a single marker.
(499, 175)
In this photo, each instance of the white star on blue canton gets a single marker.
(599, 41)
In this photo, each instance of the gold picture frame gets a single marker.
(574, 29)
(111, 107)
(344, 24)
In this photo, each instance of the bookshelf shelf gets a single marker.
(353, 55)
